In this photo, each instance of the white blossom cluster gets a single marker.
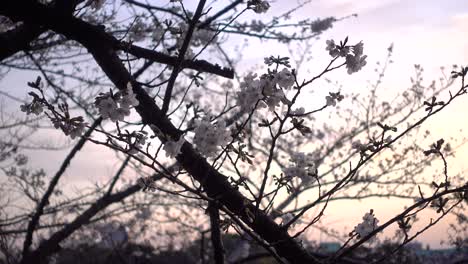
(302, 166)
(5, 24)
(363, 147)
(73, 127)
(333, 97)
(258, 6)
(209, 137)
(250, 93)
(136, 141)
(320, 25)
(355, 59)
(355, 62)
(172, 148)
(284, 78)
(116, 107)
(267, 88)
(335, 50)
(368, 225)
(20, 159)
(35, 107)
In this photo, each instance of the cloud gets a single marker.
(352, 6)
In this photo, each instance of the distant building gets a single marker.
(329, 247)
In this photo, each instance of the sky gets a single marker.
(427, 32)
(431, 33)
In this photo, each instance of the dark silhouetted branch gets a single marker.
(216, 238)
(53, 183)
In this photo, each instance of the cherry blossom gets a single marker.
(77, 130)
(333, 97)
(21, 159)
(129, 99)
(249, 94)
(266, 89)
(5, 24)
(258, 6)
(332, 48)
(284, 78)
(368, 225)
(355, 59)
(73, 127)
(116, 107)
(139, 141)
(172, 148)
(35, 107)
(355, 62)
(302, 166)
(209, 137)
(106, 107)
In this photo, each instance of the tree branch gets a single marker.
(51, 245)
(180, 59)
(216, 238)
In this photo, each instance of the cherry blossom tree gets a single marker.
(217, 149)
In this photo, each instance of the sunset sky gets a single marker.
(430, 33)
